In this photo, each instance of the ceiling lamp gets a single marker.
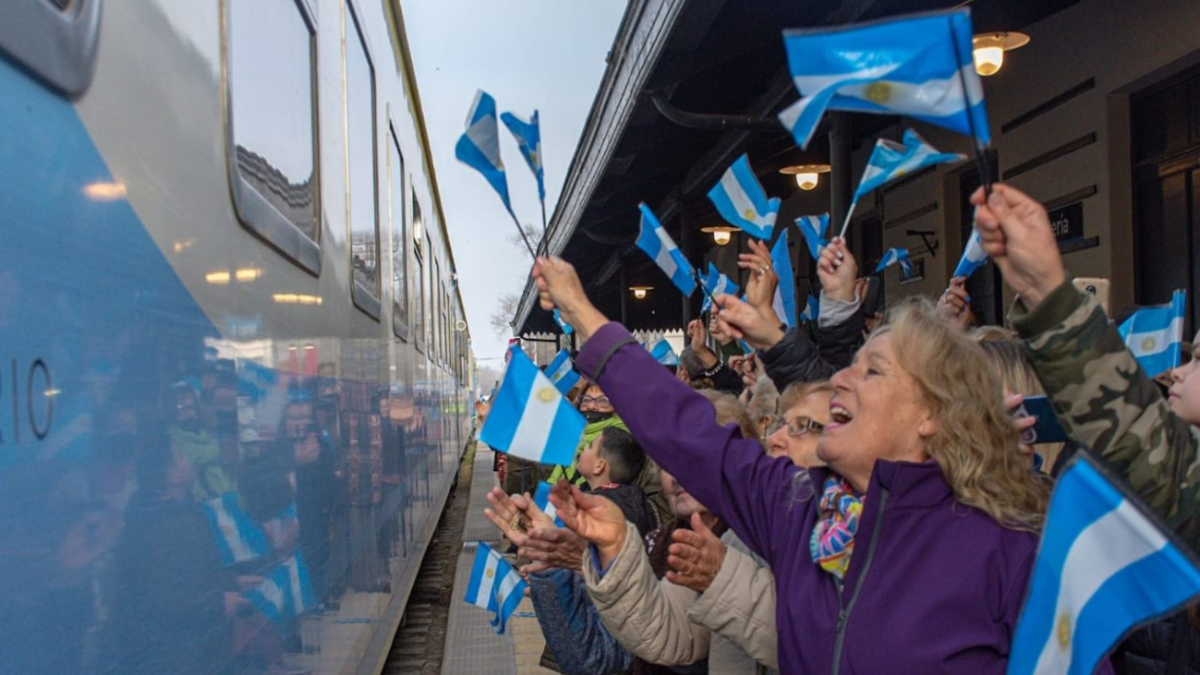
(639, 292)
(807, 175)
(721, 233)
(989, 48)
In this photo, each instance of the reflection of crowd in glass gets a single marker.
(194, 540)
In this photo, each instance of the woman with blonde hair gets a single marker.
(913, 555)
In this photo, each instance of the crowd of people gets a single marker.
(852, 496)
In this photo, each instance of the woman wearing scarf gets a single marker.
(910, 552)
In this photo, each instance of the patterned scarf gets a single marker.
(833, 537)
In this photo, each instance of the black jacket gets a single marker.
(799, 358)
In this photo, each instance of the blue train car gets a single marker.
(234, 366)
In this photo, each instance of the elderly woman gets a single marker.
(911, 552)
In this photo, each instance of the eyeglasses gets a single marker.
(601, 401)
(798, 426)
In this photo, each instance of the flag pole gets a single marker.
(525, 239)
(545, 227)
(985, 174)
(846, 223)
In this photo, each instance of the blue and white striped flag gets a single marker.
(239, 538)
(285, 593)
(542, 499)
(813, 228)
(717, 284)
(479, 146)
(785, 293)
(973, 257)
(661, 350)
(913, 66)
(1155, 335)
(895, 256)
(495, 585)
(891, 161)
(657, 244)
(530, 417)
(561, 372)
(741, 200)
(567, 328)
(1104, 566)
(529, 140)
(812, 310)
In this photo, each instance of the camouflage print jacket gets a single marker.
(1107, 402)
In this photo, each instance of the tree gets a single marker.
(502, 316)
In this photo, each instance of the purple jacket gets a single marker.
(933, 586)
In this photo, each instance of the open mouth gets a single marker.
(838, 415)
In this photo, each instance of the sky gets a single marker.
(528, 54)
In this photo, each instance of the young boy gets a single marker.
(610, 464)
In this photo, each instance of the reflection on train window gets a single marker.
(360, 157)
(398, 240)
(271, 108)
(62, 5)
(427, 301)
(418, 323)
(437, 312)
(445, 325)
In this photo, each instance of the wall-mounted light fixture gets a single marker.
(988, 49)
(639, 292)
(807, 175)
(721, 233)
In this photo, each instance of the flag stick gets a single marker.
(545, 227)
(846, 223)
(985, 174)
(525, 239)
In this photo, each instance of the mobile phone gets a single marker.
(873, 298)
(1047, 429)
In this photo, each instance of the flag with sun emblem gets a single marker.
(529, 140)
(1155, 335)
(479, 146)
(495, 585)
(741, 200)
(530, 418)
(919, 66)
(892, 161)
(1105, 566)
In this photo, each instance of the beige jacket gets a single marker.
(653, 618)
(739, 608)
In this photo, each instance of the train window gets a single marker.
(55, 39)
(271, 135)
(427, 302)
(362, 200)
(445, 325)
(418, 319)
(398, 240)
(438, 343)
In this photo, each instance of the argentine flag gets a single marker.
(1104, 566)
(561, 372)
(716, 283)
(913, 66)
(657, 244)
(530, 417)
(1155, 335)
(495, 585)
(741, 200)
(813, 228)
(785, 293)
(567, 329)
(661, 350)
(239, 538)
(542, 499)
(895, 256)
(529, 140)
(479, 146)
(891, 161)
(973, 257)
(285, 593)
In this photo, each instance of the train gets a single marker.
(236, 377)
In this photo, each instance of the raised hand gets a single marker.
(761, 285)
(714, 329)
(551, 547)
(952, 305)
(505, 515)
(739, 320)
(1014, 230)
(592, 517)
(695, 556)
(838, 271)
(698, 333)
(559, 287)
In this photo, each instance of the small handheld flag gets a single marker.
(741, 200)
(716, 284)
(530, 417)
(973, 257)
(812, 310)
(890, 161)
(285, 593)
(919, 66)
(529, 140)
(661, 350)
(1104, 566)
(785, 293)
(657, 244)
(542, 499)
(1155, 335)
(567, 329)
(239, 538)
(561, 372)
(895, 256)
(479, 148)
(495, 585)
(813, 228)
